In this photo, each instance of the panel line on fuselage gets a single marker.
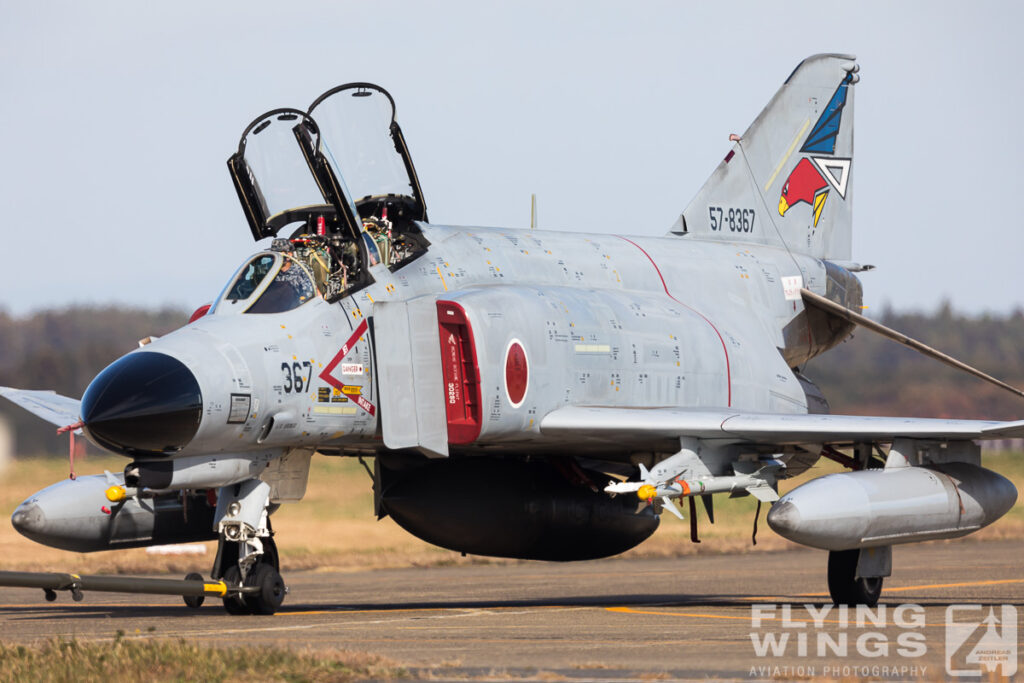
(725, 350)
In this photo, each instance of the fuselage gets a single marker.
(600, 319)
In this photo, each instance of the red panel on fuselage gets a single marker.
(461, 373)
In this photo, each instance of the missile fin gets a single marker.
(763, 492)
(709, 506)
(671, 507)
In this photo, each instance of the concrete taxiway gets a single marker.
(609, 619)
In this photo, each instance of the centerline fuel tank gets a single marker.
(513, 508)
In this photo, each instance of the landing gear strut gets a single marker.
(845, 587)
(247, 559)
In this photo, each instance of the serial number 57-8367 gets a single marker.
(736, 220)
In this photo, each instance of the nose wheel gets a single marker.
(262, 590)
(234, 603)
(270, 589)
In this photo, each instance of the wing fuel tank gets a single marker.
(891, 506)
(76, 514)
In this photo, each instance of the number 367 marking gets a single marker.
(293, 379)
(736, 220)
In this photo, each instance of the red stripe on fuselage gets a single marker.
(728, 371)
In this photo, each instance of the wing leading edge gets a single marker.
(765, 428)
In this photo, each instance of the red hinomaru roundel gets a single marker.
(517, 373)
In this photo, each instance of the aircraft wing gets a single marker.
(764, 428)
(51, 406)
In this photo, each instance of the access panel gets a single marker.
(461, 373)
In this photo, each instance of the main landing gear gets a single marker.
(847, 583)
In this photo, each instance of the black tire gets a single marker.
(194, 601)
(234, 604)
(271, 589)
(227, 555)
(270, 554)
(843, 584)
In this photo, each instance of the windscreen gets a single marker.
(289, 289)
(250, 278)
(355, 130)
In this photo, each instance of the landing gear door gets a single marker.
(364, 145)
(411, 381)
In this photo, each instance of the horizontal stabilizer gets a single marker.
(832, 308)
(52, 407)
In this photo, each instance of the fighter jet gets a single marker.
(526, 394)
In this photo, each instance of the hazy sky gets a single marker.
(116, 119)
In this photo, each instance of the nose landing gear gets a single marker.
(247, 559)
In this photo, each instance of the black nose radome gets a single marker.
(146, 403)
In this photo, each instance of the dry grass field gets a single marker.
(129, 659)
(334, 527)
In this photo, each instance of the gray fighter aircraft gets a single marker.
(528, 394)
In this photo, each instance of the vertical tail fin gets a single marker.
(788, 179)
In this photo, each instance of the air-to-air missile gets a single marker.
(683, 488)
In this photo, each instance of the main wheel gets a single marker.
(271, 589)
(233, 602)
(843, 584)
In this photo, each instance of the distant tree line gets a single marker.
(64, 349)
(870, 375)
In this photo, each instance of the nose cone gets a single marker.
(146, 403)
(831, 512)
(784, 518)
(70, 515)
(28, 519)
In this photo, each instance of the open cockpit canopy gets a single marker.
(364, 145)
(282, 179)
(340, 178)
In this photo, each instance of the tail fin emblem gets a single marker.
(813, 176)
(804, 184)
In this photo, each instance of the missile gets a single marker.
(682, 488)
(889, 506)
